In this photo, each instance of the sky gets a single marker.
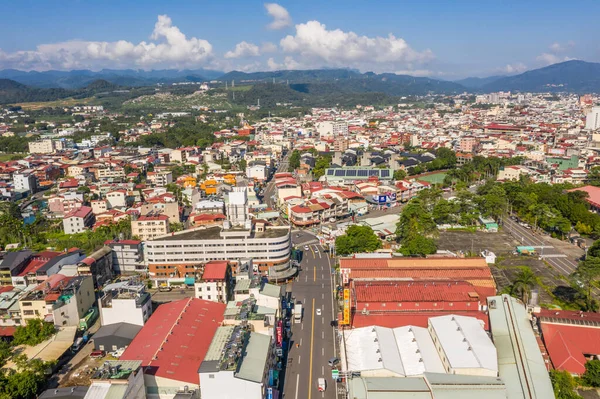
(436, 38)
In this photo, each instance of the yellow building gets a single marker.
(189, 181)
(229, 179)
(209, 187)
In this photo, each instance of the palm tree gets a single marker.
(523, 284)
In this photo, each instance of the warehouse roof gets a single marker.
(465, 343)
(124, 330)
(175, 339)
(412, 263)
(520, 362)
(403, 351)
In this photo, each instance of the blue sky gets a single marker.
(442, 39)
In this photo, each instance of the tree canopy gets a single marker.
(357, 239)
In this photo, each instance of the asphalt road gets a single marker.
(314, 335)
(543, 246)
(270, 190)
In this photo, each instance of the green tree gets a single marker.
(563, 385)
(586, 274)
(294, 161)
(400, 174)
(523, 283)
(321, 164)
(357, 239)
(591, 376)
(444, 212)
(594, 176)
(594, 250)
(34, 332)
(418, 245)
(415, 220)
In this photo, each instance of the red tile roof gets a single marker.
(176, 338)
(157, 217)
(593, 194)
(418, 319)
(80, 212)
(568, 344)
(215, 270)
(409, 291)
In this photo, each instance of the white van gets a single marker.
(322, 384)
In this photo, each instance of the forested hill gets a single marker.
(13, 92)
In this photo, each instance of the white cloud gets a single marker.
(419, 72)
(516, 68)
(169, 48)
(243, 49)
(549, 59)
(314, 43)
(287, 63)
(281, 17)
(557, 47)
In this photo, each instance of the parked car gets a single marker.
(97, 354)
(333, 361)
(318, 312)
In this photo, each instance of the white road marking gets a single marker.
(322, 285)
(322, 320)
(300, 341)
(322, 278)
(306, 278)
(322, 334)
(322, 370)
(322, 351)
(322, 296)
(297, 383)
(299, 359)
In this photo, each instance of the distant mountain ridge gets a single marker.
(477, 83)
(127, 77)
(569, 76)
(14, 92)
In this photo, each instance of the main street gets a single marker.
(561, 262)
(314, 335)
(269, 192)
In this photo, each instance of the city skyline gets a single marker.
(439, 40)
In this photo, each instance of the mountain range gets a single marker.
(570, 76)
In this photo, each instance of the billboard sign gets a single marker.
(346, 319)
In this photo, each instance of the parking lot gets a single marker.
(500, 243)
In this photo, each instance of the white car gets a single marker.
(316, 250)
(306, 247)
(318, 312)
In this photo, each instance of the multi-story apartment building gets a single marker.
(25, 181)
(44, 146)
(215, 284)
(60, 298)
(150, 226)
(160, 179)
(467, 144)
(109, 173)
(128, 256)
(125, 302)
(173, 258)
(12, 264)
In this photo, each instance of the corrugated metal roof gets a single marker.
(520, 362)
(255, 358)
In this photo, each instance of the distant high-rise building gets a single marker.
(592, 121)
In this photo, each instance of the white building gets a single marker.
(230, 372)
(25, 180)
(44, 146)
(117, 198)
(450, 345)
(332, 128)
(237, 206)
(78, 220)
(463, 345)
(592, 120)
(124, 302)
(257, 171)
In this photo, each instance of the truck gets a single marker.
(88, 320)
(298, 313)
(526, 250)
